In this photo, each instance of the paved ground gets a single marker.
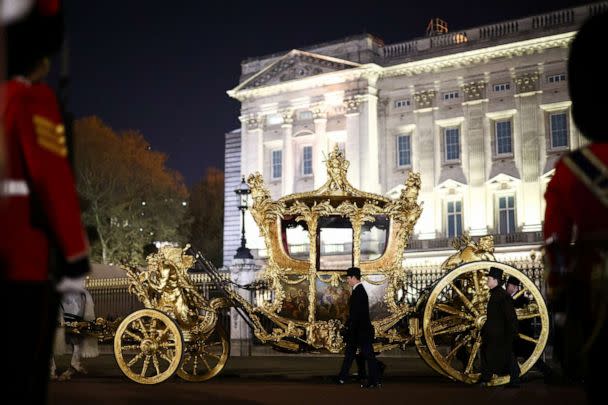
(298, 380)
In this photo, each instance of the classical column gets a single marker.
(288, 154)
(527, 103)
(425, 124)
(473, 106)
(320, 146)
(368, 138)
(252, 157)
(351, 105)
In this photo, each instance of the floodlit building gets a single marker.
(483, 114)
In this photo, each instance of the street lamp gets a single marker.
(242, 192)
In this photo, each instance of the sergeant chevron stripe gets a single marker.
(50, 136)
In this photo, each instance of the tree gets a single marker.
(206, 209)
(128, 193)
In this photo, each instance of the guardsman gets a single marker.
(39, 205)
(576, 218)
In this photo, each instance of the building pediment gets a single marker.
(506, 167)
(502, 178)
(294, 66)
(450, 186)
(451, 175)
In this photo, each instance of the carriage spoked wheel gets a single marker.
(456, 311)
(205, 357)
(148, 346)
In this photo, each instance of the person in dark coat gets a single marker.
(498, 333)
(524, 348)
(359, 331)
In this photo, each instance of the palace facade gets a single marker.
(482, 114)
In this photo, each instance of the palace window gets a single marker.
(277, 164)
(402, 103)
(504, 138)
(556, 78)
(558, 124)
(506, 214)
(454, 218)
(305, 115)
(452, 144)
(450, 95)
(404, 151)
(307, 161)
(502, 87)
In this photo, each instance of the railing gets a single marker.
(553, 19)
(112, 299)
(498, 30)
(573, 17)
(499, 240)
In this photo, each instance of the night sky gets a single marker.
(163, 67)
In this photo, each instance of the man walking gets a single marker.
(498, 333)
(359, 331)
(524, 348)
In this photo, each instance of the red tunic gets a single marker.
(573, 212)
(38, 200)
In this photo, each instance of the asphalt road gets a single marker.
(298, 380)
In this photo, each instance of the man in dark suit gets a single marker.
(359, 331)
(524, 348)
(498, 333)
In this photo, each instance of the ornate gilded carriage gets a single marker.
(311, 239)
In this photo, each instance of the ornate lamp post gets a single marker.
(242, 192)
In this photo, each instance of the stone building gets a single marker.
(483, 114)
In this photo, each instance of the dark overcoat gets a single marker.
(498, 333)
(359, 326)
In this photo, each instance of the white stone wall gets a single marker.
(355, 106)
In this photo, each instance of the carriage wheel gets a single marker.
(148, 346)
(456, 311)
(204, 358)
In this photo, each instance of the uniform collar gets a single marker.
(356, 285)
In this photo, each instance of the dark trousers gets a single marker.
(361, 373)
(367, 353)
(488, 370)
(29, 321)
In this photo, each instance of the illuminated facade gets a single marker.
(483, 114)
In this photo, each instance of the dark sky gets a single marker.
(163, 67)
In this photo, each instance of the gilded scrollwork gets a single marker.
(336, 197)
(470, 251)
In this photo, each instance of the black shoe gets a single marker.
(371, 386)
(381, 368)
(515, 383)
(339, 381)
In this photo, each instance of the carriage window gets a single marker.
(374, 235)
(335, 243)
(295, 238)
